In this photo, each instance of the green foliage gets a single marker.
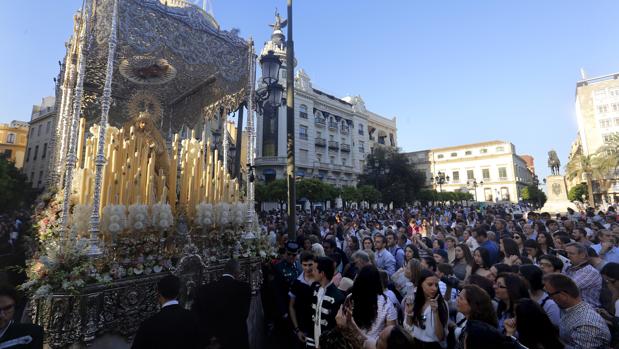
(16, 191)
(533, 195)
(312, 189)
(577, 191)
(351, 194)
(369, 193)
(390, 172)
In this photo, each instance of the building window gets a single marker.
(36, 152)
(303, 111)
(483, 151)
(319, 157)
(10, 138)
(7, 153)
(28, 154)
(44, 151)
(361, 146)
(453, 155)
(302, 132)
(485, 173)
(603, 108)
(504, 193)
(48, 127)
(614, 92)
(440, 156)
(470, 174)
(500, 149)
(616, 121)
(488, 194)
(31, 177)
(332, 158)
(606, 123)
(455, 176)
(615, 106)
(468, 152)
(303, 155)
(344, 161)
(361, 130)
(502, 173)
(39, 130)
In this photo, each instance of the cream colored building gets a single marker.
(13, 138)
(499, 172)
(597, 114)
(38, 153)
(333, 136)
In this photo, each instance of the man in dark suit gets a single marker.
(223, 307)
(14, 335)
(173, 326)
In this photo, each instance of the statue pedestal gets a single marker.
(557, 196)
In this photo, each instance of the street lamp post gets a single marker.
(292, 231)
(473, 183)
(441, 179)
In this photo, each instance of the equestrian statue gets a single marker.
(554, 163)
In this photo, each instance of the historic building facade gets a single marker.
(13, 139)
(499, 172)
(38, 151)
(333, 135)
(597, 114)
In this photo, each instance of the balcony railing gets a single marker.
(320, 142)
(333, 126)
(270, 160)
(345, 147)
(334, 145)
(320, 122)
(303, 136)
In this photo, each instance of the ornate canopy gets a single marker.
(171, 51)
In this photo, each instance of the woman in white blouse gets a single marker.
(372, 311)
(426, 316)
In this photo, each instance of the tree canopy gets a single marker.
(390, 172)
(16, 191)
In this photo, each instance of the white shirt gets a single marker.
(428, 334)
(385, 311)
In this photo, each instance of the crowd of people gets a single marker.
(422, 277)
(444, 277)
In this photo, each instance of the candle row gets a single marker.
(139, 170)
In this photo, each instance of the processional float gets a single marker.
(140, 186)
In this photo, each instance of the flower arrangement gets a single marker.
(114, 219)
(80, 219)
(141, 240)
(162, 218)
(204, 215)
(138, 217)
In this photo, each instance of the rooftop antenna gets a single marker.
(583, 74)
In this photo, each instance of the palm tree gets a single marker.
(607, 160)
(601, 166)
(580, 166)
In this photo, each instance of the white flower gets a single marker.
(162, 217)
(114, 219)
(204, 214)
(42, 291)
(138, 217)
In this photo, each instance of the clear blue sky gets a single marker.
(453, 72)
